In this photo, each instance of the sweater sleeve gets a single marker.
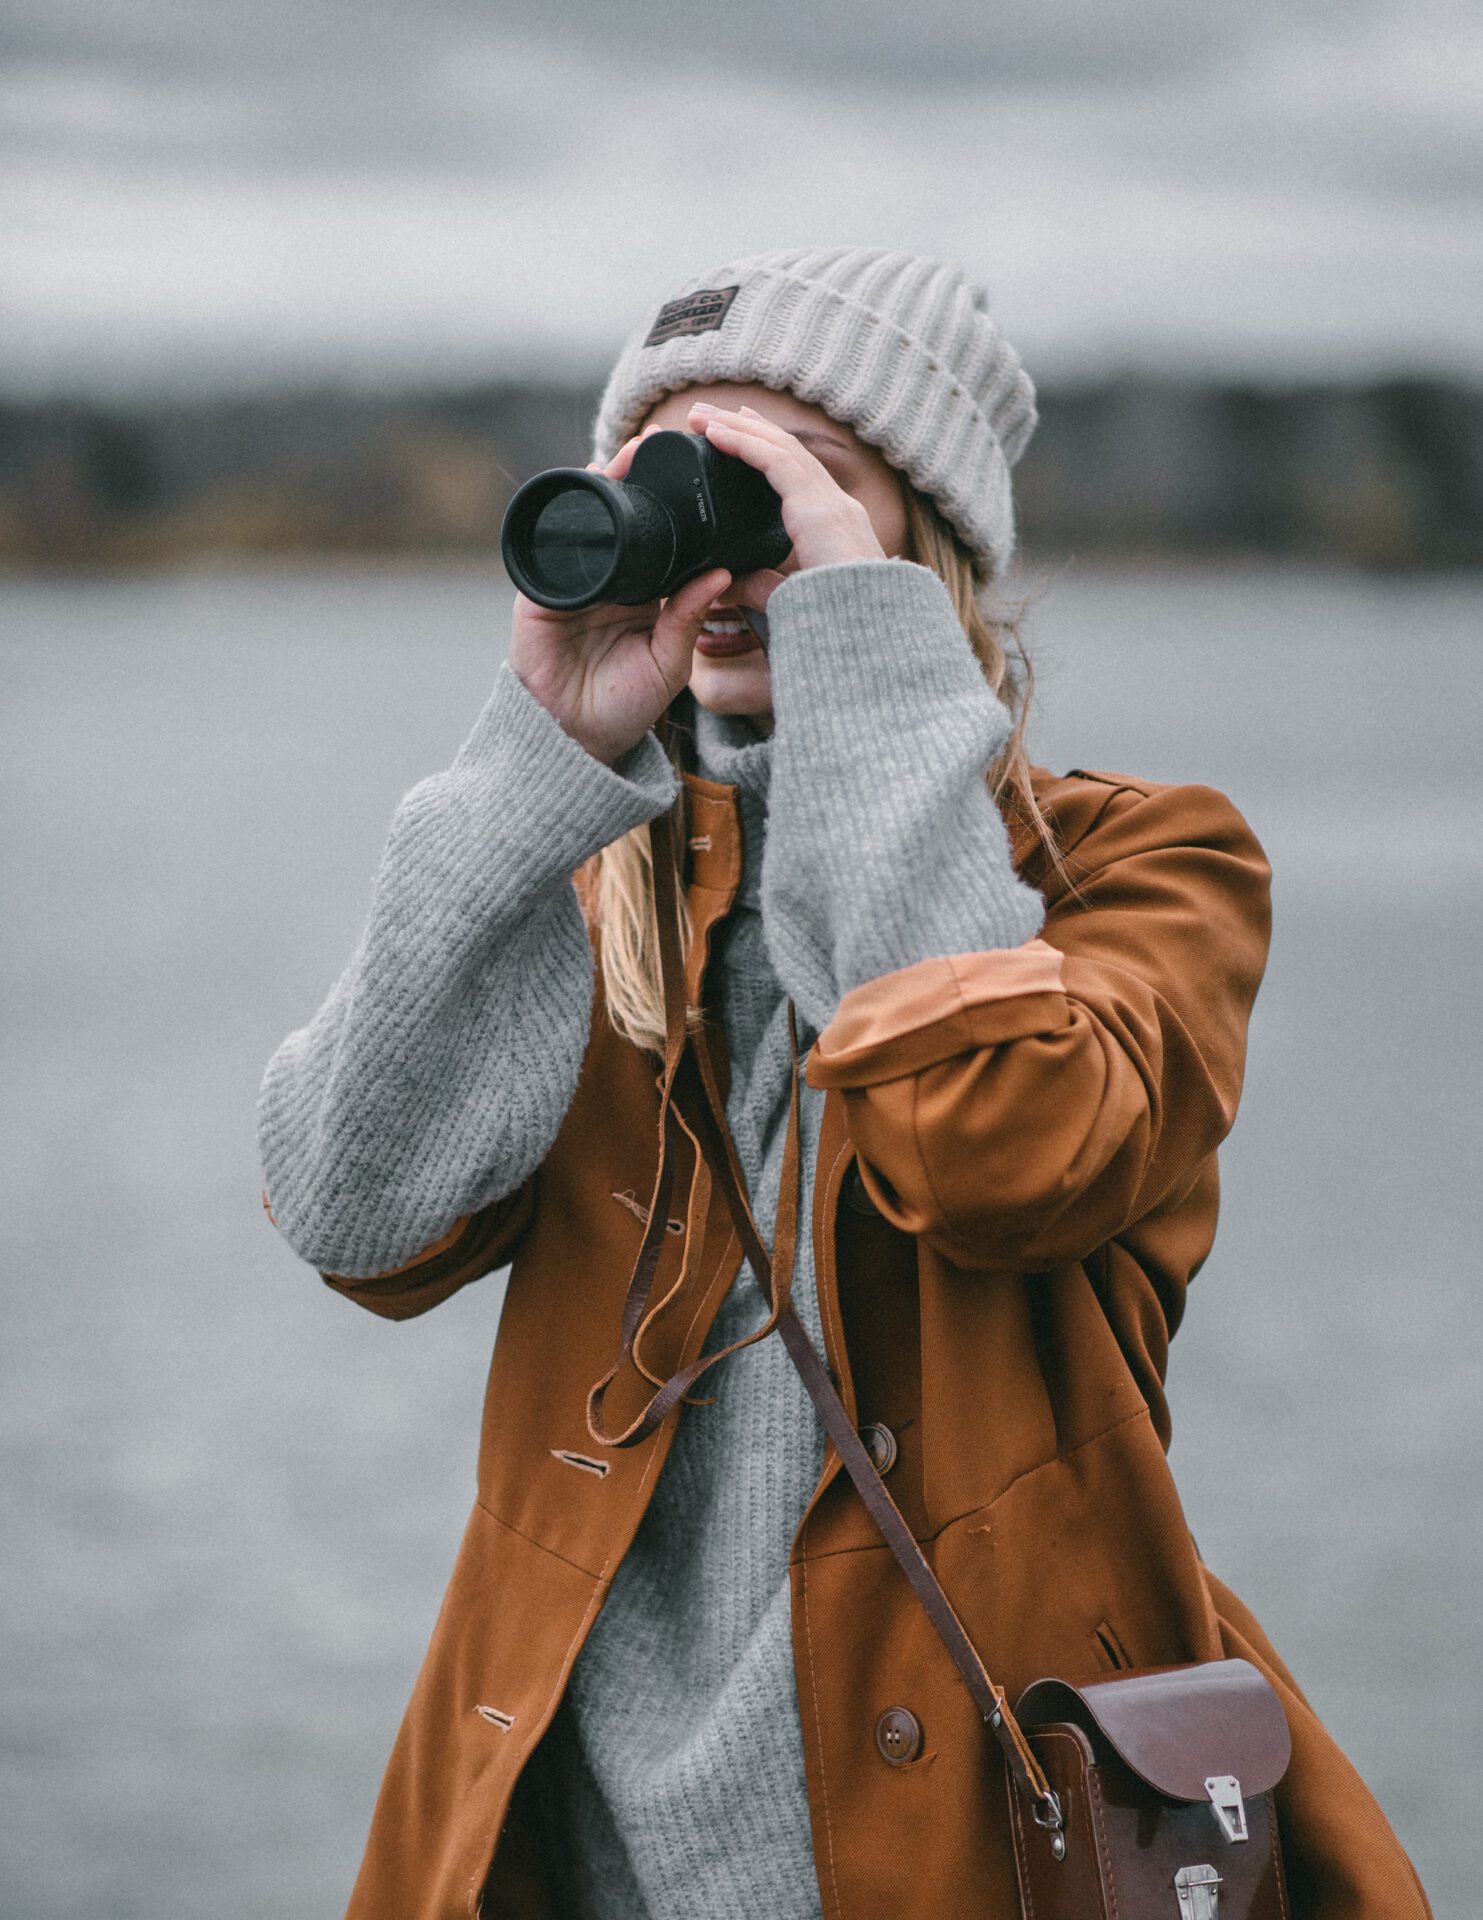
(434, 1078)
(884, 845)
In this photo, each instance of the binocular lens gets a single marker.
(573, 542)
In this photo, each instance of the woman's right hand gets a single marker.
(607, 673)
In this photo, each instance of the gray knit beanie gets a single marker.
(898, 347)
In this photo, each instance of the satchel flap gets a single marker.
(1176, 1727)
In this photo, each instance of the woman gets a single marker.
(682, 1675)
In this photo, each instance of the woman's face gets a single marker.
(729, 672)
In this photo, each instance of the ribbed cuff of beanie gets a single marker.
(885, 846)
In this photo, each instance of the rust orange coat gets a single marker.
(1016, 1182)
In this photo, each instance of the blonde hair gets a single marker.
(620, 895)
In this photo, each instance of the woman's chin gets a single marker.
(738, 685)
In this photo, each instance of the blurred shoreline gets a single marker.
(1385, 475)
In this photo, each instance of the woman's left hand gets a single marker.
(826, 524)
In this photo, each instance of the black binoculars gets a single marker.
(572, 538)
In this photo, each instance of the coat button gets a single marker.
(855, 1196)
(880, 1444)
(898, 1735)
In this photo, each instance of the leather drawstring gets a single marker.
(681, 1070)
(641, 1281)
(697, 1210)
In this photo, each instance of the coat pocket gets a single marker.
(1111, 1653)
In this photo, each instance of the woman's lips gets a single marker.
(725, 638)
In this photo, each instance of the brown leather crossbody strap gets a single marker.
(989, 1698)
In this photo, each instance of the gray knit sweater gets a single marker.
(672, 1782)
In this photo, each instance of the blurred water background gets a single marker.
(230, 1500)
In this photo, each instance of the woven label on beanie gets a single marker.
(698, 312)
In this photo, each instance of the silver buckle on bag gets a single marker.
(1199, 1891)
(1229, 1807)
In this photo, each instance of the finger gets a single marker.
(618, 466)
(623, 459)
(764, 422)
(751, 421)
(677, 627)
(748, 420)
(755, 589)
(785, 462)
(692, 601)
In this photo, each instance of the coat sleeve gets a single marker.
(885, 846)
(1019, 1108)
(405, 1123)
(474, 1245)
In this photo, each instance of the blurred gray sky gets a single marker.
(211, 191)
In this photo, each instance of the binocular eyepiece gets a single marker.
(572, 538)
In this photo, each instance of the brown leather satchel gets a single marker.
(1144, 1797)
(1164, 1781)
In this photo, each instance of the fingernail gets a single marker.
(753, 411)
(703, 406)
